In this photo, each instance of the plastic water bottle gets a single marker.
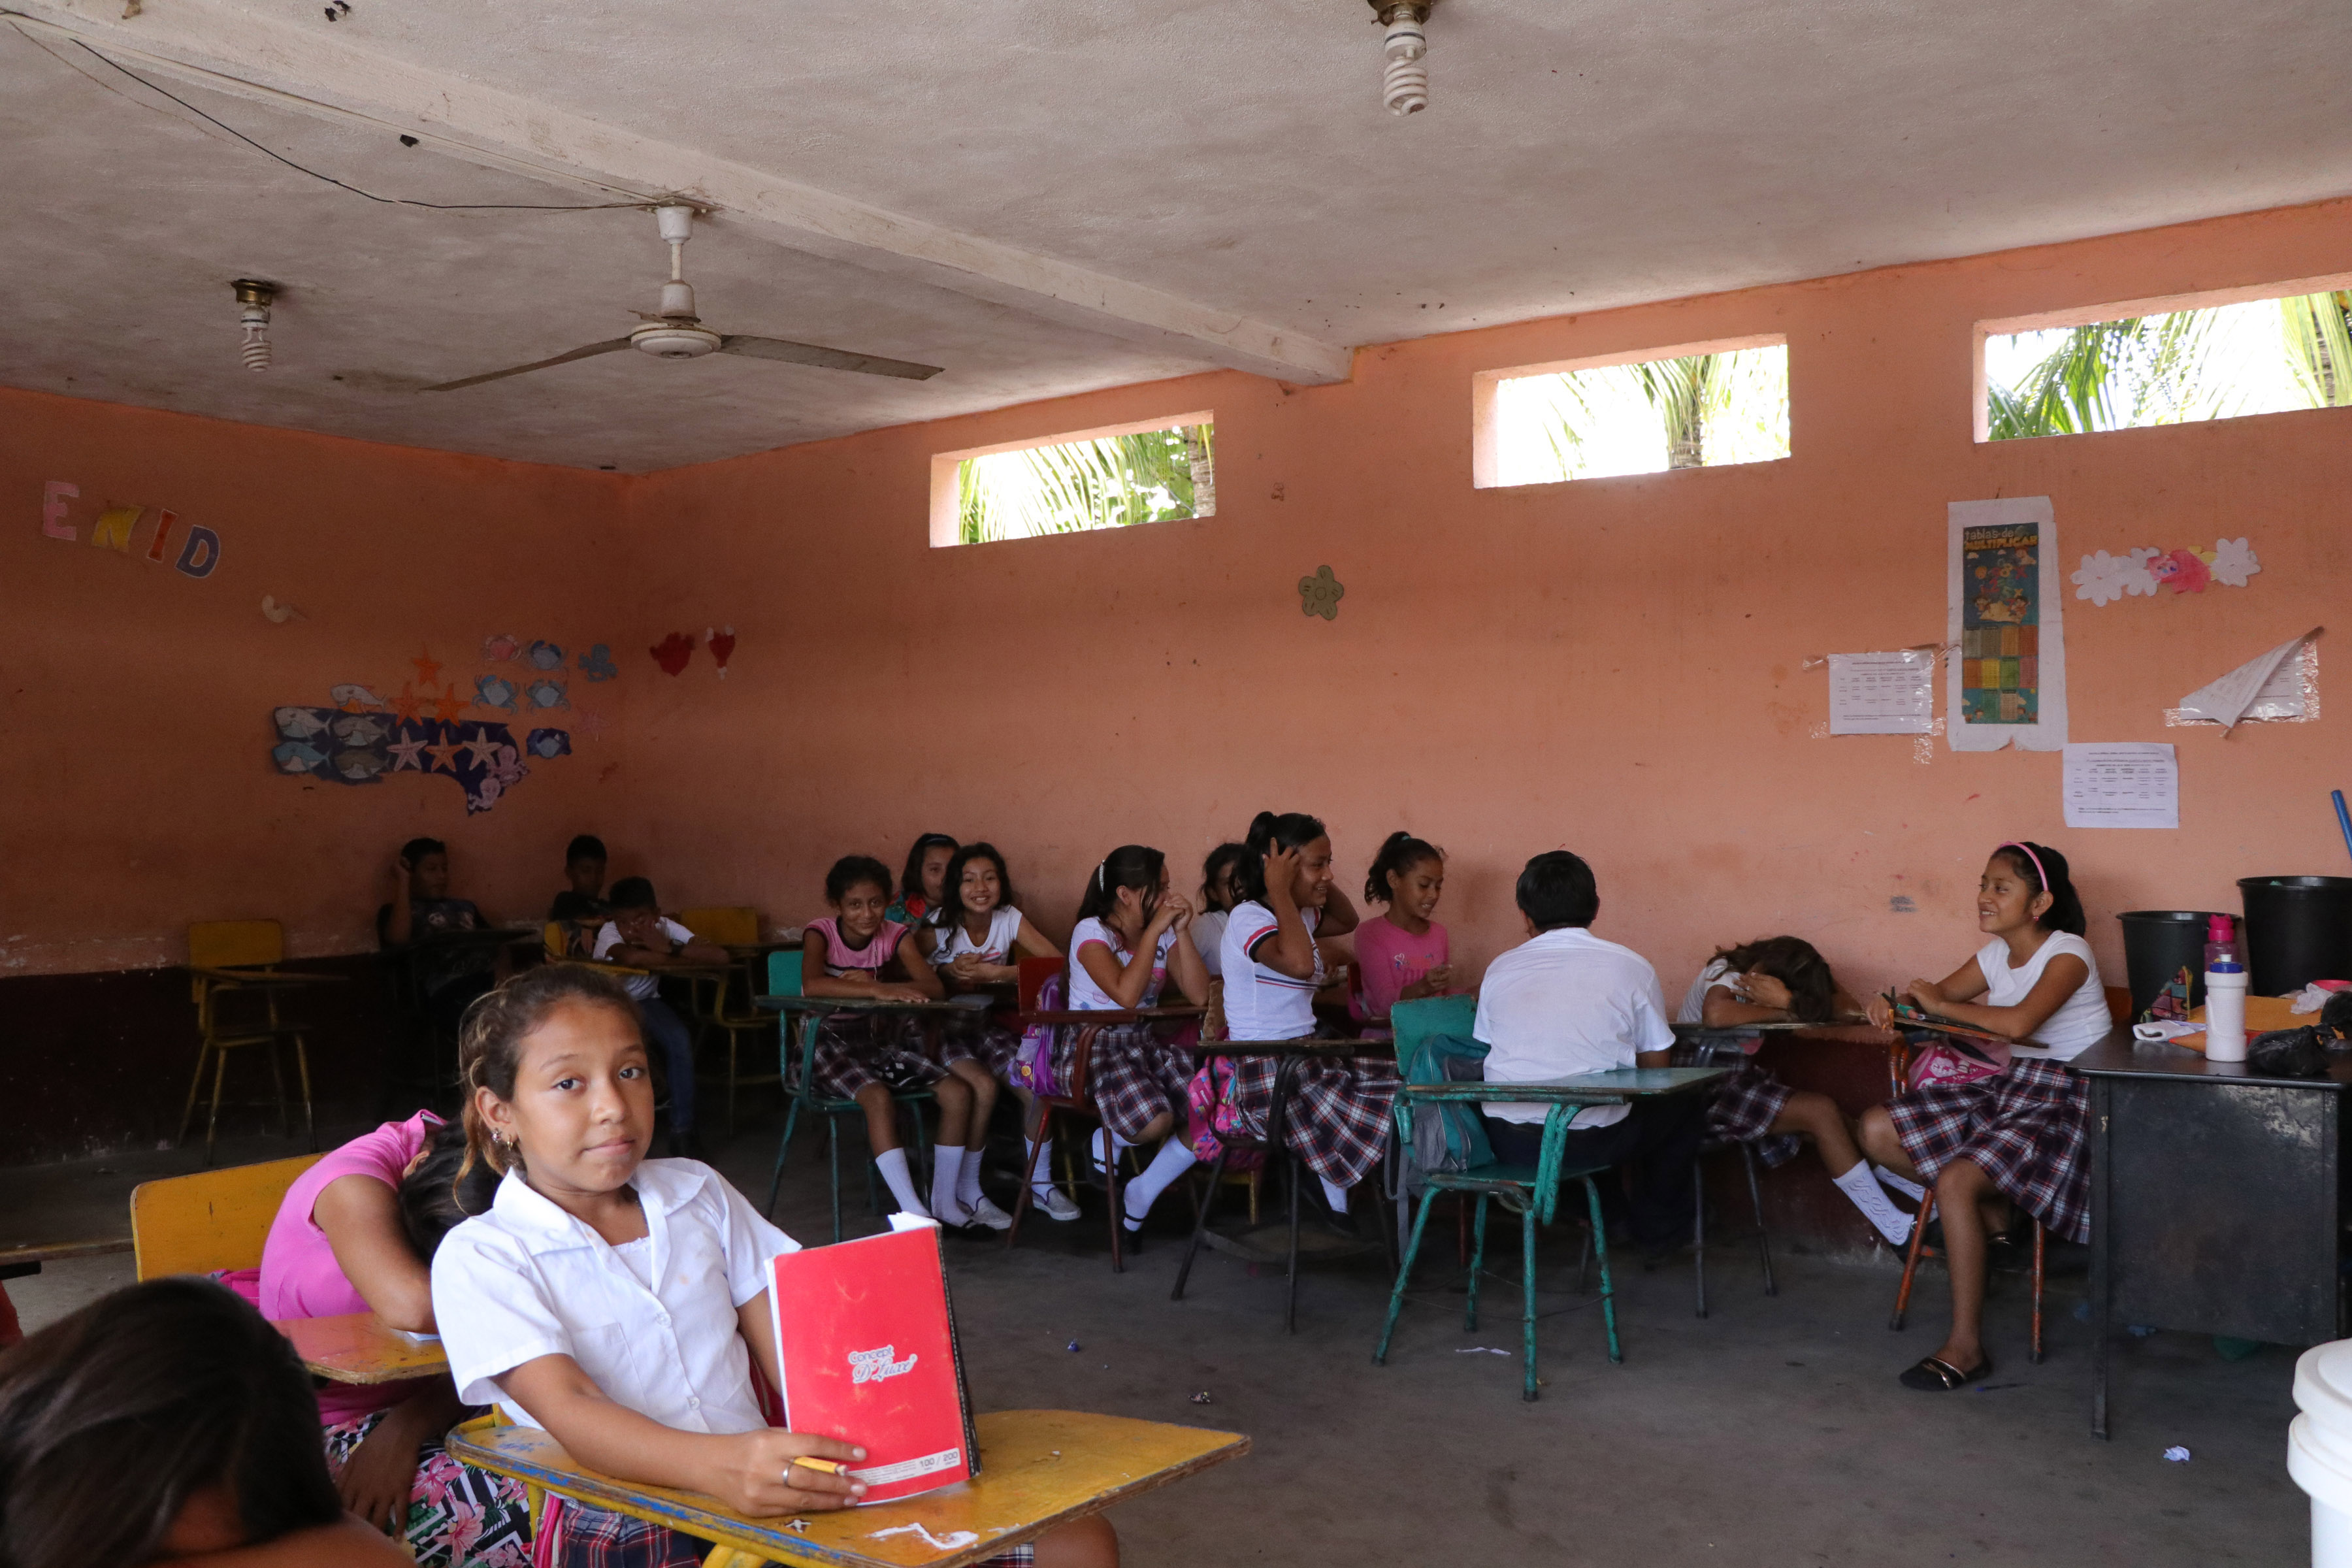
(2225, 993)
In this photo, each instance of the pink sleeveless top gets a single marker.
(841, 959)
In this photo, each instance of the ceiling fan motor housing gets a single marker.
(674, 340)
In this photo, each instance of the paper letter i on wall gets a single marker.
(164, 522)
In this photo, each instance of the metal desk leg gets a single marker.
(2101, 1244)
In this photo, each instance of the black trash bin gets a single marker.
(2158, 945)
(2298, 930)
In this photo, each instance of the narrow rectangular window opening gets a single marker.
(1697, 406)
(2269, 349)
(1159, 471)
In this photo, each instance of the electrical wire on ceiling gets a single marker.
(330, 179)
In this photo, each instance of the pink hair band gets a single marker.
(2027, 850)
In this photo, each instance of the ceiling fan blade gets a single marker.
(588, 353)
(830, 359)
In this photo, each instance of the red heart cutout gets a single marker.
(672, 652)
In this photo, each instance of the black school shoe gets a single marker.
(1932, 1376)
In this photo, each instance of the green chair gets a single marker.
(800, 1088)
(1532, 1194)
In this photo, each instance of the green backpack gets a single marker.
(1433, 1045)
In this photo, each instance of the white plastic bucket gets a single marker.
(2319, 1448)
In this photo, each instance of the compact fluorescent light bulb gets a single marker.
(1404, 85)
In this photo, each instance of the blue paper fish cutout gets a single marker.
(483, 758)
(302, 723)
(353, 697)
(597, 663)
(360, 766)
(294, 757)
(361, 729)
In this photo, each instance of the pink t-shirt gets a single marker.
(299, 1276)
(1388, 958)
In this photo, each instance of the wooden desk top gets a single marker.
(1038, 1468)
(868, 1005)
(357, 1348)
(1305, 1047)
(1611, 1087)
(2122, 1056)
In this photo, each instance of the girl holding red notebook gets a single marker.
(620, 1302)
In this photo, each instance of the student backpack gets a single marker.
(1434, 1046)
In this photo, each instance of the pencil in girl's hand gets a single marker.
(829, 1466)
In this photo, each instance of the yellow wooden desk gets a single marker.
(357, 1348)
(1038, 1468)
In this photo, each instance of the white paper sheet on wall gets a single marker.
(2269, 687)
(2124, 783)
(1882, 693)
(2006, 681)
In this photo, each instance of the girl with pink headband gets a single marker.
(2015, 1132)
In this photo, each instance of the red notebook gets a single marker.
(867, 1341)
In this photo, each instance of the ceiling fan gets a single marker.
(674, 332)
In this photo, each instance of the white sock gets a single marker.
(1336, 1197)
(946, 1166)
(1102, 1160)
(1858, 1185)
(1042, 1183)
(1175, 1158)
(1910, 1189)
(892, 1163)
(968, 1183)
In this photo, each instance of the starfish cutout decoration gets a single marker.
(404, 753)
(407, 703)
(485, 750)
(444, 754)
(428, 669)
(449, 705)
(589, 722)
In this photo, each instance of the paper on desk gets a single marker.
(2273, 682)
(2125, 784)
(1882, 693)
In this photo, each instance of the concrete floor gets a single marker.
(1772, 1433)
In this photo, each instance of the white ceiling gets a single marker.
(1231, 153)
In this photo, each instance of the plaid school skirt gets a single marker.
(1337, 1118)
(979, 1038)
(856, 1049)
(457, 1515)
(580, 1536)
(1134, 1075)
(2029, 1129)
(1743, 1110)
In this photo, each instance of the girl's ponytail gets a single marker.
(1136, 866)
(1400, 852)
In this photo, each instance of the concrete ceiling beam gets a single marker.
(259, 56)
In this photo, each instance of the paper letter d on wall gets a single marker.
(54, 496)
(202, 552)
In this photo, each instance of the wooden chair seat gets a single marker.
(212, 1220)
(232, 964)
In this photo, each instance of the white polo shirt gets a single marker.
(1563, 1003)
(527, 1280)
(640, 986)
(1261, 1002)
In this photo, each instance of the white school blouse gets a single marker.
(527, 1280)
(1718, 972)
(954, 940)
(1209, 939)
(1262, 1003)
(640, 986)
(2082, 1020)
(1565, 1002)
(1087, 996)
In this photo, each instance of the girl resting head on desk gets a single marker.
(620, 1302)
(163, 1423)
(1784, 980)
(2011, 1128)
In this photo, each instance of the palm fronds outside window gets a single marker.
(1110, 481)
(1691, 412)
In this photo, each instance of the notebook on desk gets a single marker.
(866, 1336)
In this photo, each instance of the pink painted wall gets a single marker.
(1609, 665)
(1614, 665)
(135, 702)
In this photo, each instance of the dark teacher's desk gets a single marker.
(2217, 1199)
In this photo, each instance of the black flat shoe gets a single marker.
(1936, 1376)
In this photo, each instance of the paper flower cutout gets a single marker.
(501, 648)
(721, 645)
(490, 691)
(546, 656)
(672, 652)
(2182, 571)
(1320, 594)
(2233, 561)
(2104, 578)
(597, 663)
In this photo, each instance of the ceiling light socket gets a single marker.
(255, 297)
(1404, 83)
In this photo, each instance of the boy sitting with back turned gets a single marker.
(641, 936)
(1565, 1002)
